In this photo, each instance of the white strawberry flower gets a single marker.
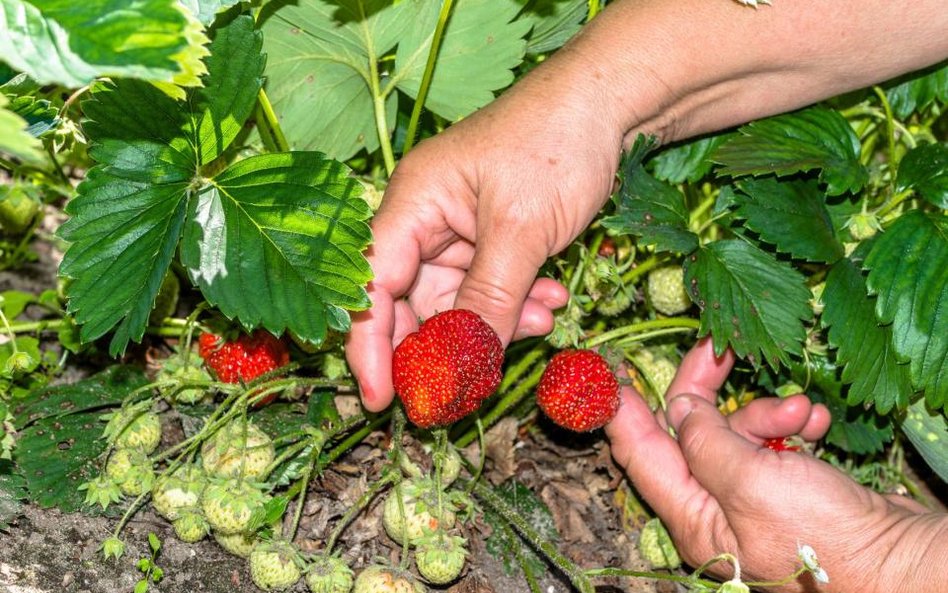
(807, 555)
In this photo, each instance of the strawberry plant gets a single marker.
(202, 173)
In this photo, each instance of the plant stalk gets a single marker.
(425, 86)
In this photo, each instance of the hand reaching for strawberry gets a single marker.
(722, 488)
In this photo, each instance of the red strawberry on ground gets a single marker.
(244, 358)
(443, 371)
(578, 390)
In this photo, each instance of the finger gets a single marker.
(640, 445)
(716, 455)
(536, 318)
(772, 417)
(369, 351)
(701, 372)
(501, 275)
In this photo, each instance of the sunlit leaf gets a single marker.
(73, 43)
(553, 22)
(916, 91)
(15, 140)
(925, 170)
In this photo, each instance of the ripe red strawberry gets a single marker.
(578, 390)
(244, 358)
(779, 444)
(443, 371)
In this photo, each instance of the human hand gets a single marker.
(471, 214)
(718, 491)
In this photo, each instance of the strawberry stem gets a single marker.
(576, 576)
(687, 323)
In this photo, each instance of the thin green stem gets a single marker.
(645, 574)
(642, 326)
(594, 9)
(357, 508)
(426, 78)
(9, 330)
(645, 336)
(889, 120)
(652, 262)
(520, 524)
(378, 104)
(304, 486)
(289, 453)
(354, 439)
(270, 125)
(508, 401)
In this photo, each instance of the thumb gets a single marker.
(717, 456)
(498, 282)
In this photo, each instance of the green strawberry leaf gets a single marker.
(15, 138)
(816, 138)
(686, 162)
(72, 43)
(790, 215)
(853, 429)
(650, 209)
(907, 271)
(916, 91)
(864, 349)
(276, 234)
(265, 240)
(321, 55)
(12, 493)
(925, 170)
(749, 301)
(928, 432)
(41, 117)
(553, 23)
(206, 10)
(61, 442)
(481, 46)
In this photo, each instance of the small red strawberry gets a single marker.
(578, 390)
(244, 358)
(779, 444)
(443, 371)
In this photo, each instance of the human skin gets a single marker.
(719, 491)
(471, 214)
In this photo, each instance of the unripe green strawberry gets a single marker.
(329, 574)
(440, 557)
(385, 579)
(180, 490)
(274, 565)
(134, 426)
(578, 390)
(657, 369)
(238, 544)
(863, 225)
(666, 290)
(18, 208)
(450, 465)
(228, 504)
(178, 370)
(238, 448)
(420, 505)
(191, 526)
(131, 469)
(615, 303)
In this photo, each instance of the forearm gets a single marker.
(680, 68)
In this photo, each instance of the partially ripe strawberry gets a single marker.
(440, 557)
(191, 526)
(443, 371)
(244, 358)
(239, 544)
(172, 494)
(328, 574)
(418, 513)
(578, 390)
(229, 504)
(239, 448)
(386, 579)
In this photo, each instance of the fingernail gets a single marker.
(678, 410)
